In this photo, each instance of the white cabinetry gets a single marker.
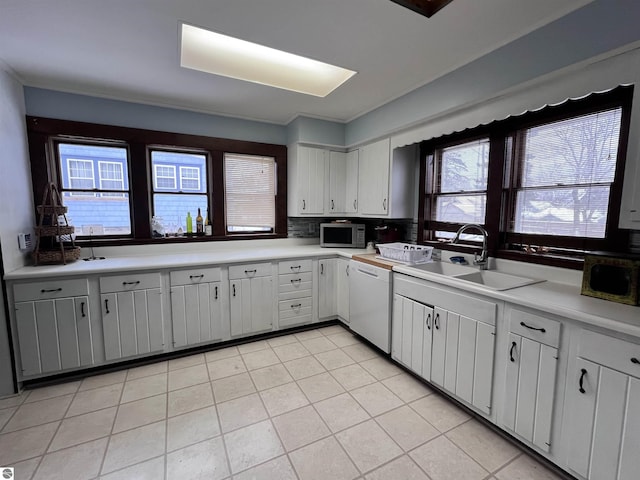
(343, 183)
(306, 173)
(251, 298)
(342, 286)
(386, 180)
(53, 325)
(132, 315)
(196, 307)
(532, 358)
(295, 292)
(327, 306)
(603, 421)
(458, 338)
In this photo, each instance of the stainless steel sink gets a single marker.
(497, 280)
(444, 268)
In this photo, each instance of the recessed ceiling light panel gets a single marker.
(219, 54)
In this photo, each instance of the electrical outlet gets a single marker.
(24, 241)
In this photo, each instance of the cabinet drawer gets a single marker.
(125, 283)
(23, 292)
(249, 270)
(199, 275)
(289, 295)
(294, 305)
(291, 279)
(294, 266)
(540, 329)
(611, 352)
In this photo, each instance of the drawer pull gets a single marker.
(82, 310)
(51, 290)
(296, 267)
(217, 292)
(583, 372)
(436, 321)
(196, 276)
(250, 271)
(296, 280)
(297, 305)
(635, 360)
(428, 322)
(131, 283)
(541, 330)
(106, 305)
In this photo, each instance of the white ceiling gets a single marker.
(128, 49)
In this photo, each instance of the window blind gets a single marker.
(250, 192)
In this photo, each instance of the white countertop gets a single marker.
(552, 297)
(222, 255)
(562, 299)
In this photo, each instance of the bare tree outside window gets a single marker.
(566, 172)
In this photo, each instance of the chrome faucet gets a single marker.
(482, 261)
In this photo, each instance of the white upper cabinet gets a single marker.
(306, 172)
(386, 180)
(343, 183)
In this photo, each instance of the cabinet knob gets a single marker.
(106, 305)
(82, 310)
(384, 204)
(428, 321)
(355, 204)
(436, 321)
(513, 346)
(304, 204)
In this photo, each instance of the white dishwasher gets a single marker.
(370, 303)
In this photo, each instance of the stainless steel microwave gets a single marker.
(612, 276)
(345, 235)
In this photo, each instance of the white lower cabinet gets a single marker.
(446, 346)
(53, 326)
(251, 298)
(295, 292)
(603, 394)
(327, 306)
(342, 287)
(132, 315)
(530, 381)
(196, 307)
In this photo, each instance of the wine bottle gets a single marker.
(189, 223)
(199, 223)
(208, 228)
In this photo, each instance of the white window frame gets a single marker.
(118, 168)
(71, 177)
(184, 169)
(156, 176)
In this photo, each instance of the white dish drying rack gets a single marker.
(406, 253)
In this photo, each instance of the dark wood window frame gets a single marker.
(42, 132)
(502, 243)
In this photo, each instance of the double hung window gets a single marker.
(95, 187)
(548, 181)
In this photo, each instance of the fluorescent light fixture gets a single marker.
(219, 54)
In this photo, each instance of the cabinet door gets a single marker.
(409, 323)
(351, 182)
(196, 313)
(342, 285)
(373, 185)
(74, 332)
(251, 305)
(451, 351)
(132, 323)
(439, 347)
(427, 345)
(466, 358)
(28, 338)
(483, 367)
(327, 306)
(337, 183)
(311, 170)
(533, 371)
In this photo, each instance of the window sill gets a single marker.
(114, 242)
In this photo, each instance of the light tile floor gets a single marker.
(314, 405)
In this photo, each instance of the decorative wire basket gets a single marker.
(405, 252)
